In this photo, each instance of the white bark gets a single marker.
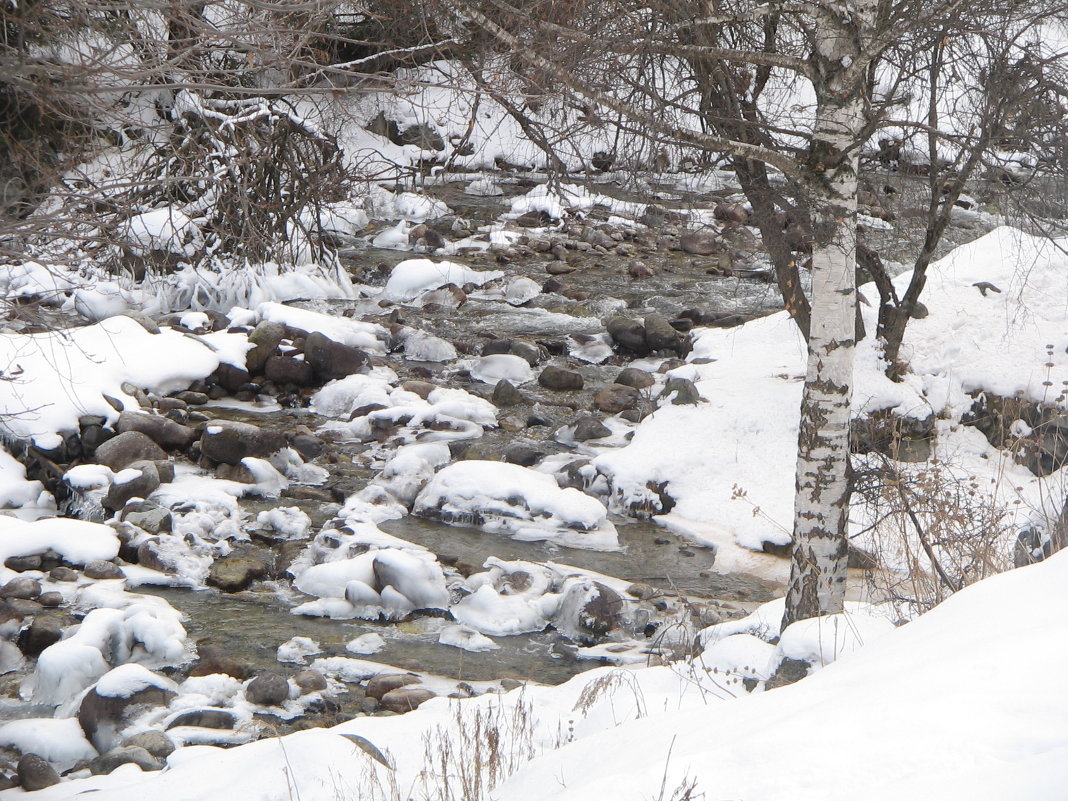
(821, 506)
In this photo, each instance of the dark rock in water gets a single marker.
(265, 338)
(237, 571)
(628, 334)
(164, 432)
(103, 570)
(703, 242)
(125, 755)
(306, 444)
(330, 359)
(661, 335)
(149, 517)
(235, 472)
(51, 599)
(204, 719)
(559, 379)
(148, 555)
(123, 450)
(230, 442)
(21, 587)
(310, 681)
(155, 742)
(45, 630)
(633, 377)
(62, 573)
(523, 456)
(231, 378)
(615, 398)
(289, 370)
(527, 351)
(505, 394)
(658, 216)
(683, 390)
(20, 564)
(138, 487)
(589, 427)
(267, 689)
(378, 686)
(35, 773)
(405, 699)
(102, 716)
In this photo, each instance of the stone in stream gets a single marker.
(615, 398)
(21, 587)
(103, 716)
(230, 442)
(237, 571)
(310, 680)
(506, 394)
(125, 755)
(164, 432)
(35, 773)
(289, 370)
(205, 719)
(155, 742)
(682, 391)
(559, 379)
(123, 450)
(633, 377)
(103, 570)
(528, 351)
(589, 427)
(660, 335)
(330, 359)
(405, 699)
(231, 378)
(140, 486)
(628, 334)
(377, 686)
(265, 338)
(702, 242)
(45, 630)
(149, 517)
(267, 689)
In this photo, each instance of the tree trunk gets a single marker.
(821, 506)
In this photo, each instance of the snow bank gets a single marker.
(409, 279)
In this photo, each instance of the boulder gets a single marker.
(102, 716)
(330, 359)
(35, 773)
(164, 432)
(21, 587)
(682, 390)
(628, 334)
(205, 719)
(661, 335)
(149, 517)
(138, 487)
(633, 377)
(615, 398)
(122, 450)
(267, 689)
(230, 442)
(125, 755)
(237, 571)
(101, 569)
(559, 379)
(265, 339)
(44, 631)
(589, 427)
(506, 394)
(231, 378)
(378, 686)
(405, 699)
(289, 370)
(155, 742)
(310, 681)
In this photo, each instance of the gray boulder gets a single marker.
(122, 450)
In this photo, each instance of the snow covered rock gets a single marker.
(409, 279)
(517, 501)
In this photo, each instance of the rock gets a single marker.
(306, 444)
(330, 359)
(628, 334)
(149, 517)
(523, 455)
(639, 270)
(420, 388)
(45, 630)
(155, 742)
(138, 487)
(231, 378)
(589, 610)
(660, 335)
(21, 564)
(615, 398)
(230, 442)
(633, 377)
(192, 398)
(164, 432)
(237, 571)
(35, 773)
(63, 573)
(204, 719)
(123, 450)
(505, 394)
(267, 689)
(731, 212)
(125, 755)
(405, 699)
(265, 338)
(788, 672)
(235, 472)
(103, 570)
(148, 555)
(534, 219)
(102, 716)
(378, 686)
(702, 242)
(559, 379)
(310, 681)
(289, 370)
(21, 587)
(528, 351)
(589, 427)
(50, 600)
(683, 390)
(598, 238)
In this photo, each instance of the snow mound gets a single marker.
(517, 501)
(409, 279)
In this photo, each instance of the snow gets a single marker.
(517, 501)
(125, 680)
(59, 740)
(77, 541)
(367, 336)
(498, 367)
(297, 649)
(411, 278)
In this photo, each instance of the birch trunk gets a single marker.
(821, 506)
